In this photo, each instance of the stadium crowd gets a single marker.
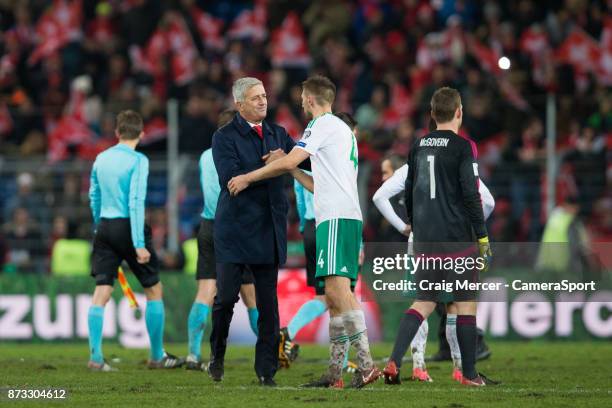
(67, 67)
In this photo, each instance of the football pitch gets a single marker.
(534, 374)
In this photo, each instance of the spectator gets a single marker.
(70, 256)
(589, 167)
(71, 203)
(525, 158)
(369, 115)
(404, 137)
(196, 129)
(565, 242)
(23, 239)
(386, 59)
(159, 237)
(26, 198)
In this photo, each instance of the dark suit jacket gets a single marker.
(250, 228)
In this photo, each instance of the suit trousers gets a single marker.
(229, 279)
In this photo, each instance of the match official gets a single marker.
(117, 198)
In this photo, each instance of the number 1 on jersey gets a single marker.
(432, 177)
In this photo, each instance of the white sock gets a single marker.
(417, 347)
(451, 337)
(338, 347)
(354, 324)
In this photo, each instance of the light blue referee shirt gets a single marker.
(119, 187)
(304, 200)
(209, 180)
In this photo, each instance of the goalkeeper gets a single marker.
(445, 212)
(394, 182)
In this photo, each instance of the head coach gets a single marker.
(250, 229)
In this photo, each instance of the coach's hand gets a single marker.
(273, 155)
(143, 255)
(237, 184)
(484, 250)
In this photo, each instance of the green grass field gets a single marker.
(561, 374)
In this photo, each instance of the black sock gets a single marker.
(407, 330)
(466, 336)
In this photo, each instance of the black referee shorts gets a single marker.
(113, 245)
(207, 264)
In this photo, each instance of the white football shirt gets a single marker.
(333, 154)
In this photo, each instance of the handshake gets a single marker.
(239, 183)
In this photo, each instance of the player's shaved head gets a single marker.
(321, 88)
(129, 125)
(444, 104)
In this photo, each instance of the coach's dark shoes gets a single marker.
(167, 361)
(363, 378)
(267, 382)
(215, 370)
(325, 382)
(480, 381)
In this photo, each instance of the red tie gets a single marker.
(259, 131)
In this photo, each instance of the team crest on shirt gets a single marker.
(306, 133)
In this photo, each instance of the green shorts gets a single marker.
(338, 245)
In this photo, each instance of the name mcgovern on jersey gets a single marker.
(466, 284)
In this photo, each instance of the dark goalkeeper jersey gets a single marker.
(442, 198)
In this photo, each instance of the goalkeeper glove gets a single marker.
(484, 251)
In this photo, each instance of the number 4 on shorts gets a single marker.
(320, 261)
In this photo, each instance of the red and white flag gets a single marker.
(68, 131)
(155, 52)
(251, 23)
(487, 57)
(579, 50)
(433, 49)
(210, 29)
(535, 43)
(60, 24)
(184, 52)
(172, 41)
(289, 47)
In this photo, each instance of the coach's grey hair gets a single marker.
(242, 85)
